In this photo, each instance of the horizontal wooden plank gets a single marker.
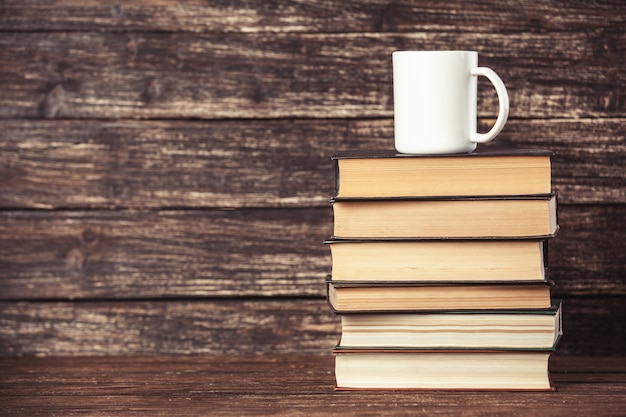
(232, 253)
(163, 375)
(259, 163)
(278, 385)
(159, 327)
(213, 76)
(588, 255)
(311, 16)
(166, 375)
(587, 321)
(264, 326)
(163, 253)
(51, 164)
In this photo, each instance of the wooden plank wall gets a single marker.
(164, 166)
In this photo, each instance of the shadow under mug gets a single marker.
(435, 96)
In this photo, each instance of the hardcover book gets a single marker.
(489, 217)
(346, 296)
(439, 260)
(453, 330)
(388, 174)
(453, 370)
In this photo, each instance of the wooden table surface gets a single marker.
(278, 385)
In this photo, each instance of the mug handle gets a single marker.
(503, 105)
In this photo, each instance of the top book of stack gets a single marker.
(390, 175)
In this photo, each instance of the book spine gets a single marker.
(337, 177)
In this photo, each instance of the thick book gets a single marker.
(443, 370)
(351, 297)
(388, 174)
(488, 217)
(453, 330)
(439, 260)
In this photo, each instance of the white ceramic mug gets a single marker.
(435, 95)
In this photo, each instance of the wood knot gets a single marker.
(90, 238)
(153, 91)
(117, 189)
(91, 246)
(75, 259)
(54, 102)
(117, 11)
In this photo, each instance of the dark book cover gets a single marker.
(361, 154)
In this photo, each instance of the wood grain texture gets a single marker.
(233, 253)
(260, 163)
(232, 327)
(278, 385)
(212, 76)
(160, 327)
(165, 162)
(160, 254)
(580, 254)
(312, 16)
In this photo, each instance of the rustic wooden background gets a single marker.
(165, 171)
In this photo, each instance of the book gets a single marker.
(489, 217)
(454, 370)
(439, 270)
(455, 329)
(346, 296)
(480, 173)
(439, 260)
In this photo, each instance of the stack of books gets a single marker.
(439, 270)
